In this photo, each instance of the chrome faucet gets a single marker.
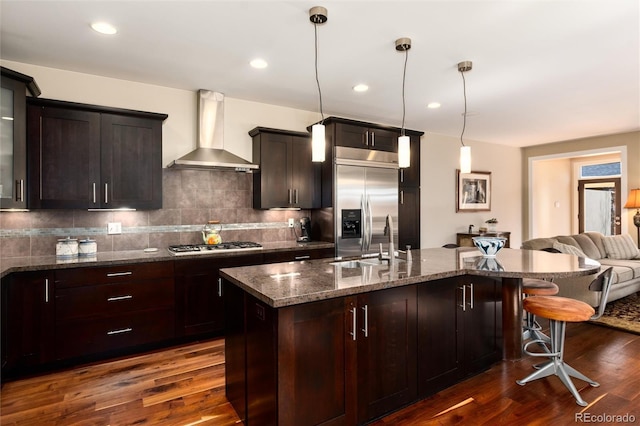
(388, 230)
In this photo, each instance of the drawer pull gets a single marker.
(118, 274)
(116, 298)
(122, 330)
(303, 257)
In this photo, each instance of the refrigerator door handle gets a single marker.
(370, 219)
(363, 238)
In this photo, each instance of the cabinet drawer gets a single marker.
(81, 338)
(106, 300)
(113, 274)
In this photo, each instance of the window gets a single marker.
(600, 170)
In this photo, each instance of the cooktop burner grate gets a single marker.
(184, 249)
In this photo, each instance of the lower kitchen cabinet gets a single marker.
(199, 301)
(301, 254)
(459, 329)
(336, 361)
(27, 320)
(112, 308)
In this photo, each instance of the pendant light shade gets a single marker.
(465, 151)
(404, 145)
(317, 16)
(465, 159)
(404, 152)
(317, 143)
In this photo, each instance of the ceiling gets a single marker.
(543, 71)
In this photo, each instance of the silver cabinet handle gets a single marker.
(402, 196)
(353, 332)
(401, 175)
(20, 190)
(116, 298)
(295, 196)
(94, 192)
(120, 331)
(219, 287)
(46, 290)
(119, 274)
(365, 308)
(106, 193)
(373, 138)
(464, 298)
(471, 295)
(289, 196)
(302, 257)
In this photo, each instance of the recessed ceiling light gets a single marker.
(360, 88)
(433, 105)
(104, 28)
(259, 63)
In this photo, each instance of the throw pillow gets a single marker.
(620, 247)
(568, 249)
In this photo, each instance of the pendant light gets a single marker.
(404, 146)
(318, 16)
(465, 151)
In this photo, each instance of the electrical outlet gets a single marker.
(290, 222)
(114, 228)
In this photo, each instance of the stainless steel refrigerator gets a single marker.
(366, 191)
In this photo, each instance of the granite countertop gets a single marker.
(285, 284)
(39, 263)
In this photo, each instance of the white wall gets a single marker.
(439, 160)
(439, 154)
(552, 201)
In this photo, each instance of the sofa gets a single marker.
(618, 251)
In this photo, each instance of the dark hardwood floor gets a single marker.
(185, 386)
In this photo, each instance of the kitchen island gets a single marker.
(347, 341)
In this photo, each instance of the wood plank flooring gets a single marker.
(185, 386)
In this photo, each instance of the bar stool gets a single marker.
(535, 287)
(559, 311)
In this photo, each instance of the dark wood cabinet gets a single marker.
(366, 137)
(84, 156)
(287, 177)
(28, 311)
(459, 329)
(200, 295)
(338, 361)
(112, 308)
(303, 253)
(13, 142)
(409, 217)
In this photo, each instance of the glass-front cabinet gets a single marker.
(13, 142)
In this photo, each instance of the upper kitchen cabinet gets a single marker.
(366, 137)
(13, 140)
(287, 177)
(86, 156)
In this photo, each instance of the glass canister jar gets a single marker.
(211, 232)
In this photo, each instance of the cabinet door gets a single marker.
(409, 218)
(305, 175)
(383, 140)
(64, 158)
(274, 179)
(131, 162)
(351, 136)
(482, 323)
(440, 357)
(316, 355)
(387, 366)
(13, 145)
(28, 314)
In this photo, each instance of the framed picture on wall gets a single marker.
(473, 191)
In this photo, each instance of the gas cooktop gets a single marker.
(185, 249)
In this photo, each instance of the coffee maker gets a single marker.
(305, 230)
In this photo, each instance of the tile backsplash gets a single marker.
(190, 199)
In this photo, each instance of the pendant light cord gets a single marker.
(404, 77)
(315, 31)
(464, 116)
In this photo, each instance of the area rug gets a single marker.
(623, 314)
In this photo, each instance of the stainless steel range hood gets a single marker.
(210, 153)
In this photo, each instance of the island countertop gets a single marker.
(285, 284)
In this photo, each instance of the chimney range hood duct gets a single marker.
(210, 153)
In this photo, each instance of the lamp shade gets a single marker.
(465, 159)
(317, 143)
(633, 202)
(404, 152)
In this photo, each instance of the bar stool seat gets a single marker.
(535, 287)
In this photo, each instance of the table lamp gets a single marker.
(633, 202)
